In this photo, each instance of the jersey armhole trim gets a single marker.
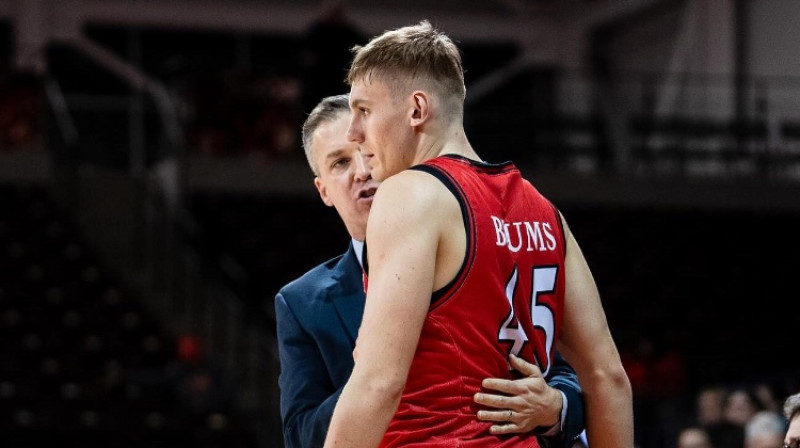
(450, 184)
(560, 226)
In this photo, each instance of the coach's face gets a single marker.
(344, 180)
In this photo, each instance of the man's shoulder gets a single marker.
(311, 280)
(414, 186)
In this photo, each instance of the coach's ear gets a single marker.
(323, 192)
(420, 108)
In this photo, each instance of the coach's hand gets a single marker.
(521, 405)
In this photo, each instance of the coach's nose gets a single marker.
(363, 169)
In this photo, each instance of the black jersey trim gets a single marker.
(452, 186)
(486, 167)
(560, 226)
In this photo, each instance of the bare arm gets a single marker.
(587, 345)
(403, 239)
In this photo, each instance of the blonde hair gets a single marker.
(410, 54)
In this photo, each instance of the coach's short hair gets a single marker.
(326, 111)
(791, 407)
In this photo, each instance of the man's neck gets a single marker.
(457, 144)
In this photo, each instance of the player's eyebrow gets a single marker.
(356, 102)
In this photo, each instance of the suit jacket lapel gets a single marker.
(348, 294)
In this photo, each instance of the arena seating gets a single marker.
(84, 364)
(272, 239)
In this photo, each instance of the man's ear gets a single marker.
(421, 107)
(323, 192)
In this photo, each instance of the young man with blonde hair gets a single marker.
(469, 268)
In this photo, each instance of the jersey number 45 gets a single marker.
(543, 282)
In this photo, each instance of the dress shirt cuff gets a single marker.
(558, 427)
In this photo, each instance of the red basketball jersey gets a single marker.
(507, 298)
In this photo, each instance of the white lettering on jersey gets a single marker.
(538, 235)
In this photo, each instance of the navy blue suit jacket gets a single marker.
(318, 316)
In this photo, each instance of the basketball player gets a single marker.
(318, 314)
(468, 264)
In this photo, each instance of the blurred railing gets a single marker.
(129, 125)
(686, 124)
(639, 123)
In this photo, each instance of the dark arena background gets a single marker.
(154, 195)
